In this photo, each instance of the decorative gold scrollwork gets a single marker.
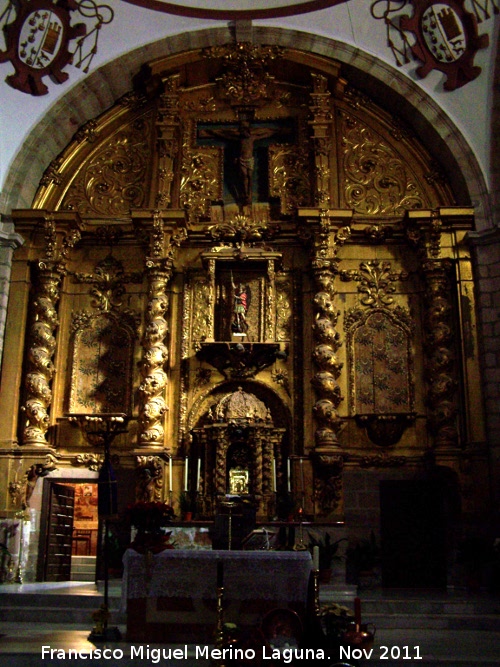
(377, 180)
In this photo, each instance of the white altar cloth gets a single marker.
(281, 576)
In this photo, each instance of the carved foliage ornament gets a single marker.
(376, 177)
(114, 179)
(38, 39)
(242, 229)
(245, 80)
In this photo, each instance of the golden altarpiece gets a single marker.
(265, 271)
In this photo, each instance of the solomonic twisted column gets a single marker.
(154, 358)
(40, 354)
(440, 364)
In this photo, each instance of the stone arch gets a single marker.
(104, 87)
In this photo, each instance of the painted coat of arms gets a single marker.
(37, 39)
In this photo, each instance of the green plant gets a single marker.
(186, 503)
(335, 620)
(328, 550)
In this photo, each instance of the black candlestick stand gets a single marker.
(100, 430)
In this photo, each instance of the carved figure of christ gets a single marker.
(244, 137)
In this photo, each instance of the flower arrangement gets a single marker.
(149, 517)
(335, 620)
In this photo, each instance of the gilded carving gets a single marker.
(376, 281)
(40, 354)
(440, 364)
(114, 180)
(104, 339)
(379, 343)
(102, 364)
(280, 377)
(289, 169)
(242, 229)
(326, 339)
(328, 482)
(149, 479)
(42, 342)
(201, 179)
(108, 283)
(87, 132)
(52, 175)
(321, 119)
(203, 319)
(244, 80)
(284, 310)
(382, 461)
(152, 404)
(91, 461)
(376, 179)
(167, 142)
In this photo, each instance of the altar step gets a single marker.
(83, 568)
(420, 610)
(69, 603)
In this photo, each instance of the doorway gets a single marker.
(413, 534)
(69, 531)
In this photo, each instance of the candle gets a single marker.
(316, 558)
(186, 467)
(357, 611)
(220, 574)
(274, 476)
(289, 475)
(302, 477)
(198, 475)
(170, 474)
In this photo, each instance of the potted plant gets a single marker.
(186, 505)
(328, 553)
(335, 620)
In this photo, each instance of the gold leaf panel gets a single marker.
(114, 180)
(376, 178)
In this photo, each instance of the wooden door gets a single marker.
(59, 532)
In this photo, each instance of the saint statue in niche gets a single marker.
(241, 303)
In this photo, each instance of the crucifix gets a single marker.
(243, 138)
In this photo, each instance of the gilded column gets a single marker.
(48, 275)
(152, 403)
(321, 129)
(167, 143)
(326, 338)
(159, 271)
(327, 454)
(426, 230)
(440, 363)
(41, 350)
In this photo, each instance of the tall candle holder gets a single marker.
(100, 430)
(300, 545)
(219, 638)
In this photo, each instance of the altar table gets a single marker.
(171, 597)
